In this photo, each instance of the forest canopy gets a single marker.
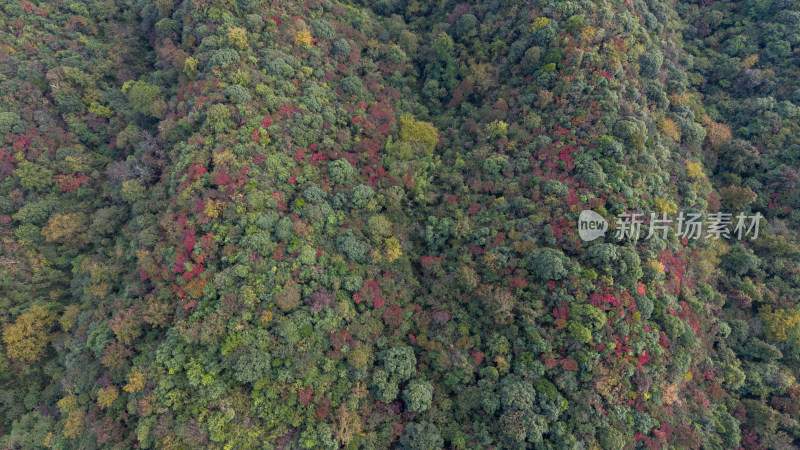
(330, 224)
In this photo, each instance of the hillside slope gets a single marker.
(354, 225)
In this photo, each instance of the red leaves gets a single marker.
(71, 182)
(370, 291)
(21, 143)
(393, 316)
(474, 208)
(643, 359)
(569, 364)
(550, 362)
(340, 338)
(397, 429)
(561, 315)
(477, 357)
(599, 299)
(440, 317)
(559, 131)
(220, 177)
(518, 283)
(324, 408)
(195, 171)
(304, 395)
(662, 340)
(196, 269)
(430, 264)
(189, 240)
(641, 289)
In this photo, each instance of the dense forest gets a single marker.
(353, 224)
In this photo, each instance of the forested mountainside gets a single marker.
(332, 224)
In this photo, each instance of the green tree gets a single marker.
(145, 98)
(418, 395)
(341, 172)
(548, 264)
(400, 362)
(421, 436)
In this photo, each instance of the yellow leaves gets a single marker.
(669, 392)
(679, 100)
(497, 129)
(133, 190)
(73, 424)
(346, 425)
(670, 128)
(213, 208)
(63, 227)
(392, 248)
(190, 66)
(135, 381)
(694, 170)
(587, 34)
(99, 110)
(238, 38)
(67, 319)
(779, 322)
(68, 404)
(502, 365)
(688, 376)
(539, 22)
(288, 298)
(656, 266)
(718, 134)
(224, 158)
(266, 316)
(609, 387)
(99, 290)
(195, 287)
(302, 37)
(736, 198)
(412, 131)
(360, 390)
(749, 61)
(106, 396)
(665, 206)
(248, 296)
(28, 336)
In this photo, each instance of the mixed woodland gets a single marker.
(352, 224)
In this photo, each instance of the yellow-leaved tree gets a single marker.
(416, 137)
(27, 338)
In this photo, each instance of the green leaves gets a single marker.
(417, 395)
(145, 98)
